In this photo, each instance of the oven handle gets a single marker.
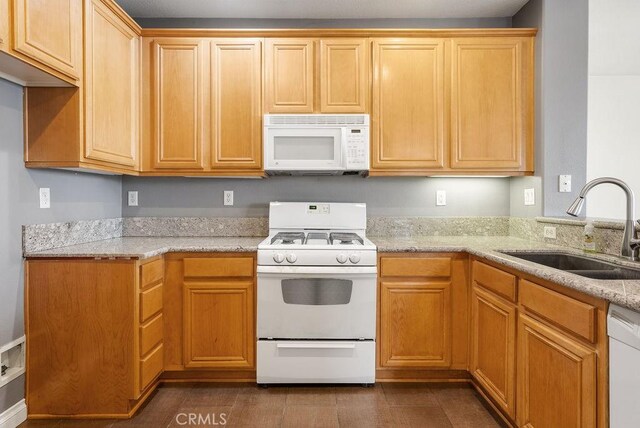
(314, 346)
(342, 271)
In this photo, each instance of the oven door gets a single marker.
(304, 149)
(316, 302)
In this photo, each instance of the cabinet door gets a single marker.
(178, 112)
(408, 105)
(50, 32)
(344, 76)
(289, 65)
(556, 378)
(415, 324)
(490, 103)
(236, 112)
(112, 88)
(219, 325)
(493, 346)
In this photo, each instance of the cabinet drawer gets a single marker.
(151, 273)
(151, 367)
(573, 315)
(219, 267)
(500, 282)
(415, 266)
(150, 302)
(150, 335)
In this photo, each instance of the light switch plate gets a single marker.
(45, 197)
(550, 232)
(529, 197)
(441, 198)
(132, 198)
(228, 197)
(564, 184)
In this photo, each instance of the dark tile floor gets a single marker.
(245, 405)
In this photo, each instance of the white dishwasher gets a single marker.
(623, 327)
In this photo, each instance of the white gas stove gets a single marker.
(317, 280)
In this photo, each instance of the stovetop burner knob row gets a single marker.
(291, 258)
(278, 257)
(341, 258)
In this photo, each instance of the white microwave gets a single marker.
(316, 144)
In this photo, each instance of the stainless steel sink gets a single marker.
(579, 265)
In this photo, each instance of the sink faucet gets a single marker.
(630, 243)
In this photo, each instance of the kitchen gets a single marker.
(173, 257)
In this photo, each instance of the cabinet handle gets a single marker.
(313, 346)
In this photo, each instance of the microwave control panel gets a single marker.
(357, 145)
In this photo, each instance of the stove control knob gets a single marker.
(278, 258)
(291, 258)
(354, 258)
(341, 258)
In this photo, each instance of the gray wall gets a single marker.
(73, 196)
(384, 196)
(561, 96)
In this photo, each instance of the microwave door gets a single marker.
(311, 149)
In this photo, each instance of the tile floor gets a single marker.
(244, 405)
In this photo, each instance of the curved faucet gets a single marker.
(630, 243)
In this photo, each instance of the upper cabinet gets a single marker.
(491, 104)
(408, 120)
(316, 76)
(177, 100)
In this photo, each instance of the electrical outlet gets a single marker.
(564, 183)
(45, 197)
(228, 197)
(550, 232)
(529, 197)
(441, 198)
(132, 198)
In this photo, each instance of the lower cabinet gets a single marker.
(556, 378)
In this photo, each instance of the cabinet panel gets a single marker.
(493, 332)
(112, 88)
(415, 324)
(50, 31)
(556, 378)
(236, 109)
(177, 99)
(219, 325)
(490, 103)
(289, 70)
(344, 76)
(408, 130)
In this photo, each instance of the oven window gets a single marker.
(316, 291)
(303, 148)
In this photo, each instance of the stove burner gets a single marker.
(343, 238)
(288, 238)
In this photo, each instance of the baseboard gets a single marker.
(14, 415)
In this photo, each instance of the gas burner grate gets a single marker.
(288, 238)
(342, 238)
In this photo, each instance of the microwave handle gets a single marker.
(343, 148)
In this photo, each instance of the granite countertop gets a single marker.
(142, 247)
(623, 292)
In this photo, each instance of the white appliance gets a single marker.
(623, 327)
(317, 282)
(316, 144)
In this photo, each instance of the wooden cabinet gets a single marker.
(493, 346)
(94, 126)
(299, 80)
(218, 312)
(423, 316)
(408, 109)
(111, 108)
(236, 100)
(491, 104)
(50, 33)
(177, 103)
(557, 378)
(94, 336)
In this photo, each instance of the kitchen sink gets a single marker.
(579, 265)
